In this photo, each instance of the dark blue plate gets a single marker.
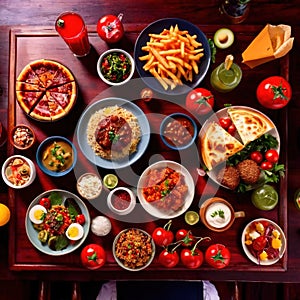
(157, 27)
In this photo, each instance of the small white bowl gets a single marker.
(118, 210)
(247, 250)
(31, 176)
(89, 186)
(118, 51)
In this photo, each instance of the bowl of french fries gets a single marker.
(172, 56)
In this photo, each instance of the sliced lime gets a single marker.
(264, 197)
(191, 217)
(110, 181)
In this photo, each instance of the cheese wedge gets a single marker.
(260, 47)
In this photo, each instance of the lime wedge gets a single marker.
(110, 181)
(265, 197)
(191, 217)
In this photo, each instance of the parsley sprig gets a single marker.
(219, 213)
(113, 137)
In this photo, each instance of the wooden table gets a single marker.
(64, 267)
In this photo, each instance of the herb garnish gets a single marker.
(113, 137)
(219, 213)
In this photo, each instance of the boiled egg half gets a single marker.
(37, 214)
(74, 232)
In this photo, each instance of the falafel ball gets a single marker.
(229, 177)
(249, 171)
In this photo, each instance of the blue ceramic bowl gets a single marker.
(163, 134)
(42, 147)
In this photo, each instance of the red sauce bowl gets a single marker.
(121, 200)
(178, 131)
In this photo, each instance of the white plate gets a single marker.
(223, 113)
(87, 149)
(269, 261)
(33, 234)
(151, 209)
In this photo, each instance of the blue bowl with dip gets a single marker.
(56, 156)
(178, 131)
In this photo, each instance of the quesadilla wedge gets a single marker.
(217, 145)
(250, 124)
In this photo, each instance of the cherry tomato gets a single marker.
(259, 243)
(231, 129)
(93, 256)
(274, 92)
(162, 236)
(45, 202)
(168, 259)
(256, 156)
(185, 236)
(192, 259)
(217, 256)
(225, 122)
(80, 219)
(272, 156)
(110, 28)
(266, 165)
(200, 101)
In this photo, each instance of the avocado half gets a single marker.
(223, 38)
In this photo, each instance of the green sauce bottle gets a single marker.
(226, 76)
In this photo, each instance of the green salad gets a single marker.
(115, 67)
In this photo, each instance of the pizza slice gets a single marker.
(41, 111)
(56, 110)
(27, 75)
(27, 87)
(62, 76)
(250, 124)
(45, 70)
(67, 88)
(66, 101)
(27, 100)
(217, 145)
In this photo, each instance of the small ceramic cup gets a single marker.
(121, 200)
(218, 215)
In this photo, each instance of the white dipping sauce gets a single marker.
(214, 219)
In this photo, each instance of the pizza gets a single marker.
(250, 124)
(217, 145)
(46, 90)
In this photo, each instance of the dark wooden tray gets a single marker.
(30, 43)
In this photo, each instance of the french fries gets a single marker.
(173, 55)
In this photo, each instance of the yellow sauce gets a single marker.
(58, 156)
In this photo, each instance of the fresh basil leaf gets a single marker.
(61, 242)
(55, 198)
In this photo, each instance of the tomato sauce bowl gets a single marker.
(178, 131)
(121, 200)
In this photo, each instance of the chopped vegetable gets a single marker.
(115, 67)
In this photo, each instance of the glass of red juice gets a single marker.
(71, 27)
